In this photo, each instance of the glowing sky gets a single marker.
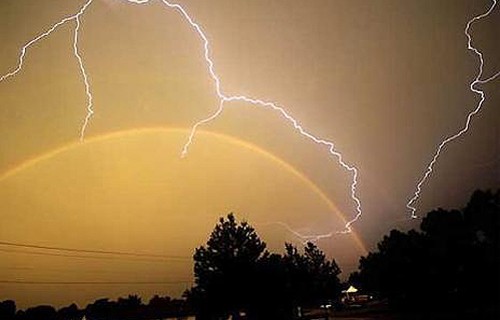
(384, 80)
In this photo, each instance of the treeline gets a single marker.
(127, 308)
(449, 269)
(452, 263)
(236, 277)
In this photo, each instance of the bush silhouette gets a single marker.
(452, 263)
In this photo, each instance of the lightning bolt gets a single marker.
(305, 238)
(477, 80)
(24, 49)
(223, 98)
(90, 109)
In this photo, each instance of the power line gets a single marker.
(109, 252)
(29, 282)
(86, 256)
(83, 270)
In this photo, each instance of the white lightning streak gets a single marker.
(330, 146)
(465, 128)
(138, 1)
(90, 110)
(223, 98)
(303, 237)
(266, 104)
(41, 36)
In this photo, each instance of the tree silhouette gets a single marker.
(312, 277)
(7, 310)
(295, 280)
(234, 274)
(395, 271)
(128, 308)
(38, 313)
(225, 270)
(70, 312)
(101, 309)
(453, 263)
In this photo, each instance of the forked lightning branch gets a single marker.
(225, 98)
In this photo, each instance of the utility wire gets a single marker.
(97, 257)
(108, 252)
(28, 282)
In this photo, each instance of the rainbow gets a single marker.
(226, 138)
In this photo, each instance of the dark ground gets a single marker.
(383, 312)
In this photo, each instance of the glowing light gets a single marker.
(465, 128)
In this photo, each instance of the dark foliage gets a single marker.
(7, 310)
(130, 308)
(70, 312)
(234, 274)
(294, 279)
(38, 313)
(452, 263)
(225, 270)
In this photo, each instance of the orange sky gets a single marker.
(119, 193)
(385, 80)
